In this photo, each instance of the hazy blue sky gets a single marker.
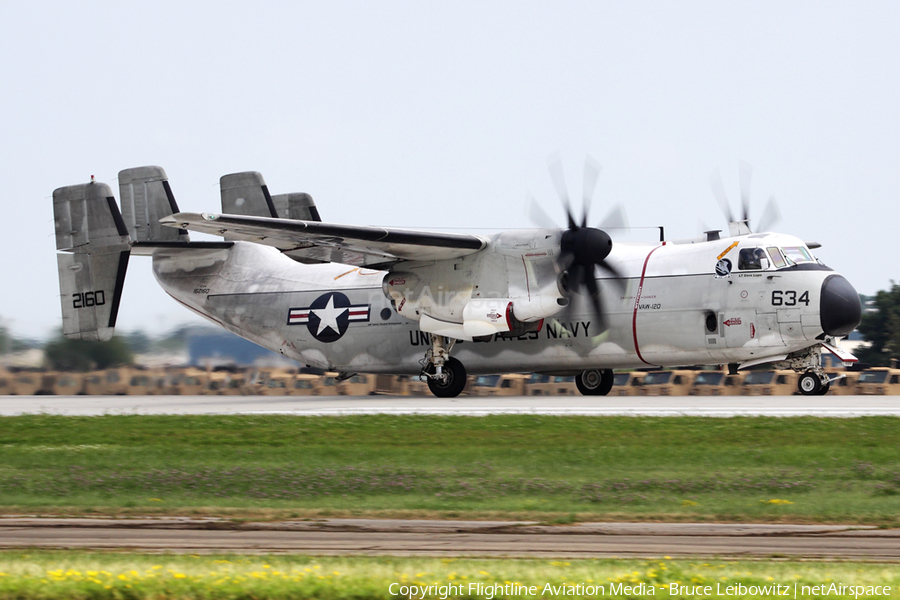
(443, 114)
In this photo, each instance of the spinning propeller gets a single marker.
(770, 216)
(582, 248)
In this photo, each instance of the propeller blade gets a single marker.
(594, 295)
(538, 216)
(718, 190)
(615, 219)
(564, 261)
(554, 165)
(746, 170)
(617, 277)
(589, 185)
(771, 215)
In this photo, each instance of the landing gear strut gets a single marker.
(814, 381)
(594, 382)
(446, 375)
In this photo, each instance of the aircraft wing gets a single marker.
(329, 242)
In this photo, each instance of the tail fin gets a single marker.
(96, 245)
(297, 206)
(247, 194)
(147, 198)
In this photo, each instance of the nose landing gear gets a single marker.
(813, 384)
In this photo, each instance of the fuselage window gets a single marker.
(752, 259)
(777, 258)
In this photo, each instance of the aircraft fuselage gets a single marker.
(680, 304)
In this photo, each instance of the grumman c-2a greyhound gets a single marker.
(358, 299)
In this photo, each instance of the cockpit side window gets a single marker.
(752, 259)
(777, 258)
(797, 254)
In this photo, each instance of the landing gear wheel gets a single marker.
(453, 384)
(810, 384)
(594, 382)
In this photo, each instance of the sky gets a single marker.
(427, 115)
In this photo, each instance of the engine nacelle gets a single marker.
(539, 306)
(487, 316)
(482, 318)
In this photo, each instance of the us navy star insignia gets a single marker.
(329, 316)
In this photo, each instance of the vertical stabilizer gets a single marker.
(297, 206)
(147, 198)
(95, 243)
(247, 194)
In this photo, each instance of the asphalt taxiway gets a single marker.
(456, 538)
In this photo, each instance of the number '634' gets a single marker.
(789, 298)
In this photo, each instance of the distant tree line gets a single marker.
(63, 354)
(880, 327)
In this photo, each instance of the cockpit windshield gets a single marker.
(752, 259)
(777, 258)
(797, 254)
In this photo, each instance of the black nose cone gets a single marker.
(840, 311)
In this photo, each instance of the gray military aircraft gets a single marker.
(358, 299)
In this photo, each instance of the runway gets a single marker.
(455, 538)
(709, 406)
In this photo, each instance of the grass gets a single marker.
(552, 469)
(66, 575)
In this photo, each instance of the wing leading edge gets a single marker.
(329, 242)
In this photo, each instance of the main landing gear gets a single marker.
(446, 375)
(594, 382)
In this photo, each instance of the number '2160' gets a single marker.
(789, 298)
(88, 299)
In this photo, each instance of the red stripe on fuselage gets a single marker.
(637, 302)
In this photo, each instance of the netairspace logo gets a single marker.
(489, 591)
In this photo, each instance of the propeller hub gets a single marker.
(587, 245)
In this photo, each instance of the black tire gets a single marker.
(809, 384)
(455, 382)
(594, 382)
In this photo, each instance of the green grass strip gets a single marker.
(506, 466)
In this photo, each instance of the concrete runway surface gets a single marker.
(455, 538)
(712, 406)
